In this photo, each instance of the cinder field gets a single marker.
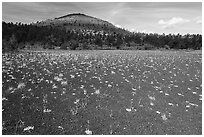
(102, 92)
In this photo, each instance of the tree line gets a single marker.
(19, 36)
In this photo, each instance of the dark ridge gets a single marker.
(73, 14)
(81, 14)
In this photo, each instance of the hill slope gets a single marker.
(80, 21)
(84, 19)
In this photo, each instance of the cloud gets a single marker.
(132, 30)
(172, 22)
(118, 26)
(147, 31)
(198, 20)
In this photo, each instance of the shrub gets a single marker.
(5, 46)
(166, 47)
(73, 44)
(148, 46)
(64, 46)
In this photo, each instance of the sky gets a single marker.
(148, 17)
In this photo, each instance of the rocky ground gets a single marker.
(102, 92)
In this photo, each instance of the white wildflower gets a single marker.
(109, 85)
(164, 116)
(28, 128)
(72, 76)
(58, 78)
(97, 91)
(47, 110)
(64, 83)
(128, 109)
(4, 99)
(21, 85)
(60, 75)
(89, 132)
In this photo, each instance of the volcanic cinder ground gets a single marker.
(102, 92)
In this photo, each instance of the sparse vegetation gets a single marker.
(74, 36)
(102, 92)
